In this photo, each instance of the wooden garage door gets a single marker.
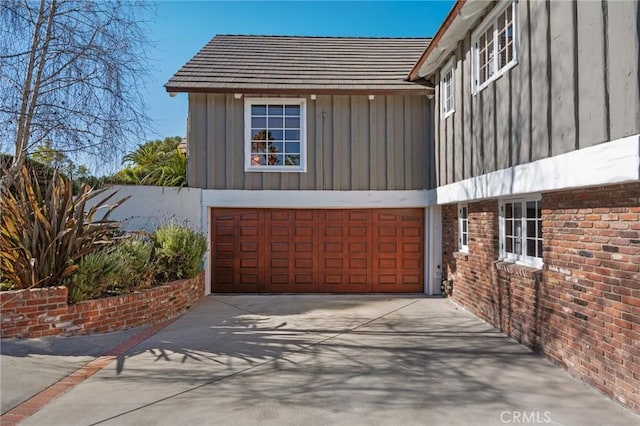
(317, 251)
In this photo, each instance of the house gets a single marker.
(314, 155)
(537, 123)
(501, 157)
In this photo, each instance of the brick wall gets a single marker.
(44, 312)
(583, 309)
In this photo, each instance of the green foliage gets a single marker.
(44, 232)
(137, 264)
(6, 286)
(179, 252)
(52, 158)
(136, 258)
(130, 175)
(96, 272)
(173, 170)
(158, 162)
(124, 269)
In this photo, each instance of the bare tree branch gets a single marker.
(70, 74)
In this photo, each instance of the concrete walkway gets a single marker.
(325, 360)
(29, 366)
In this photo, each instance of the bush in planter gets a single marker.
(95, 273)
(178, 252)
(124, 269)
(136, 258)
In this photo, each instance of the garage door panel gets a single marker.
(398, 264)
(303, 231)
(279, 231)
(250, 216)
(358, 215)
(341, 251)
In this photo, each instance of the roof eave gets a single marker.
(418, 90)
(457, 24)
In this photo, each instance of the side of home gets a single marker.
(507, 163)
(313, 155)
(351, 143)
(537, 121)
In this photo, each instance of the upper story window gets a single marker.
(521, 231)
(494, 45)
(275, 135)
(447, 89)
(463, 228)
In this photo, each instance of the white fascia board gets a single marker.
(462, 24)
(604, 164)
(317, 199)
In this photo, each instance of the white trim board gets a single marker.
(317, 199)
(604, 164)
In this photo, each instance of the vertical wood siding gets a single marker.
(576, 85)
(352, 144)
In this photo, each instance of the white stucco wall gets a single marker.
(150, 206)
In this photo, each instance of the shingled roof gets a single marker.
(287, 64)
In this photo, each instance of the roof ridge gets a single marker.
(316, 36)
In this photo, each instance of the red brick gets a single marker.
(562, 335)
(47, 305)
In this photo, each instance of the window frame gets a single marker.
(491, 21)
(248, 103)
(462, 247)
(525, 258)
(449, 68)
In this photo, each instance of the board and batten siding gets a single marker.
(353, 143)
(576, 85)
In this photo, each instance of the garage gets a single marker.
(317, 251)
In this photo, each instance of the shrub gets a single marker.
(44, 232)
(135, 256)
(95, 273)
(179, 252)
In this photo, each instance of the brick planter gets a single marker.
(45, 312)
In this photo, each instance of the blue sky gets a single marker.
(182, 28)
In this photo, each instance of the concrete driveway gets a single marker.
(325, 360)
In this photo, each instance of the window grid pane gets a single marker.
(448, 91)
(534, 229)
(523, 229)
(463, 227)
(495, 46)
(271, 126)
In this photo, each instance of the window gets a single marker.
(521, 231)
(447, 89)
(494, 46)
(463, 228)
(275, 135)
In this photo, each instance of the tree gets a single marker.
(159, 162)
(52, 158)
(70, 74)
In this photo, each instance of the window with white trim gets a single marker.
(494, 45)
(447, 89)
(463, 228)
(521, 231)
(275, 135)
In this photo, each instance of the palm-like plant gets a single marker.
(44, 233)
(159, 163)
